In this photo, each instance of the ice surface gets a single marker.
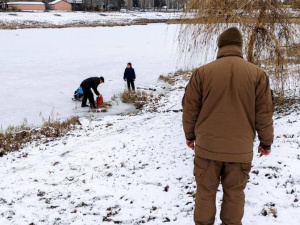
(41, 68)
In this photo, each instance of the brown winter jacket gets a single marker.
(225, 102)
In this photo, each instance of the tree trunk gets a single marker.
(250, 56)
(260, 19)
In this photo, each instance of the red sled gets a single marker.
(99, 101)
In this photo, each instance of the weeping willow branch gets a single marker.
(265, 24)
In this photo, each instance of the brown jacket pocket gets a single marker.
(200, 167)
(246, 167)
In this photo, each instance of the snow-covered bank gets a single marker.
(136, 169)
(11, 20)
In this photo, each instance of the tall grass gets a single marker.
(173, 77)
(15, 138)
(138, 99)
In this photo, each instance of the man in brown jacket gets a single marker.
(225, 103)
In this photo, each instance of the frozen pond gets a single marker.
(41, 68)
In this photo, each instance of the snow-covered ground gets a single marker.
(115, 169)
(136, 169)
(41, 68)
(35, 19)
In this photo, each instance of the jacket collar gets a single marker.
(230, 50)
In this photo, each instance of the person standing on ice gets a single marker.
(225, 103)
(129, 76)
(86, 86)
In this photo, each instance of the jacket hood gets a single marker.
(230, 50)
(231, 36)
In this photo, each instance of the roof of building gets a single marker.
(56, 1)
(25, 3)
(75, 1)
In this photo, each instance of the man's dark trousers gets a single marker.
(130, 82)
(88, 94)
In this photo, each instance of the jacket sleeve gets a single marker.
(133, 73)
(95, 89)
(191, 104)
(124, 77)
(264, 111)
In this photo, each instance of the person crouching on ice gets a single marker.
(129, 76)
(86, 86)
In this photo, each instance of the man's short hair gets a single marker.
(102, 78)
(129, 64)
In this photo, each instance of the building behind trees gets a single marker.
(114, 5)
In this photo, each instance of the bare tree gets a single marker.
(159, 3)
(47, 7)
(266, 25)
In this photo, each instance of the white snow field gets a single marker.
(118, 169)
(136, 169)
(41, 68)
(88, 18)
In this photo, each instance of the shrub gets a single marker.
(139, 98)
(17, 137)
(172, 78)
